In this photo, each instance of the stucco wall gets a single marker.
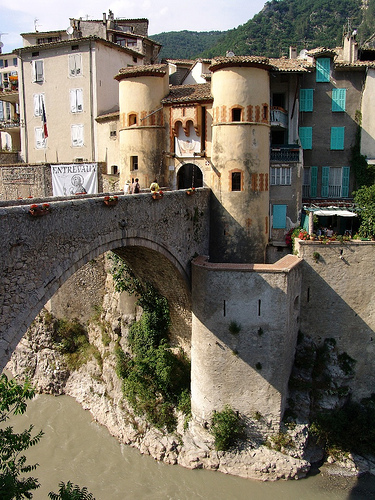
(368, 119)
(248, 370)
(338, 297)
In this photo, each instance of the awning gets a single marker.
(339, 213)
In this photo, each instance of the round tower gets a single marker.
(240, 156)
(142, 130)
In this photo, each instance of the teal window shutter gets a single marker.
(337, 137)
(306, 99)
(305, 136)
(323, 67)
(325, 182)
(313, 182)
(338, 99)
(279, 217)
(345, 182)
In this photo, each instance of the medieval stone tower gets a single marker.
(240, 154)
(142, 130)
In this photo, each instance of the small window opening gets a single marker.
(224, 308)
(236, 114)
(134, 163)
(34, 54)
(265, 112)
(236, 181)
(114, 169)
(259, 306)
(112, 133)
(75, 47)
(132, 120)
(308, 294)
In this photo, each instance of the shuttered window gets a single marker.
(279, 216)
(337, 138)
(75, 65)
(38, 72)
(38, 104)
(313, 182)
(305, 136)
(325, 181)
(77, 135)
(338, 99)
(40, 140)
(306, 99)
(76, 100)
(323, 66)
(345, 182)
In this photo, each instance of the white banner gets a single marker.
(77, 178)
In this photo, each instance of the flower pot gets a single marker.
(38, 212)
(110, 203)
(156, 196)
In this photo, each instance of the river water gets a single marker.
(77, 449)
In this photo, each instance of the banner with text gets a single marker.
(77, 178)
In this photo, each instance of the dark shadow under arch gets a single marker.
(189, 175)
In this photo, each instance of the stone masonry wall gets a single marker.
(338, 301)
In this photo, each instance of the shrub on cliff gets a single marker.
(227, 428)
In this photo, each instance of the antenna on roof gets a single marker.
(36, 24)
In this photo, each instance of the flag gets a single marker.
(44, 120)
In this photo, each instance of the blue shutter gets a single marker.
(338, 99)
(279, 217)
(345, 182)
(313, 182)
(306, 99)
(305, 136)
(323, 66)
(337, 137)
(325, 182)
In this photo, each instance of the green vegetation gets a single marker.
(156, 380)
(71, 339)
(234, 328)
(69, 491)
(348, 429)
(365, 201)
(281, 442)
(227, 428)
(280, 24)
(13, 465)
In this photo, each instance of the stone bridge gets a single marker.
(157, 238)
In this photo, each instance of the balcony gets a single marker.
(279, 117)
(8, 125)
(285, 154)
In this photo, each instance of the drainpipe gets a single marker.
(92, 106)
(25, 138)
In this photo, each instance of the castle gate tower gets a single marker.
(240, 156)
(142, 130)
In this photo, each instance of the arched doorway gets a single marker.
(189, 175)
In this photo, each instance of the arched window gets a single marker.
(236, 114)
(132, 119)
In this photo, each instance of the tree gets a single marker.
(69, 491)
(365, 201)
(13, 465)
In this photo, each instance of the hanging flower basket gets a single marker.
(157, 195)
(190, 191)
(110, 201)
(39, 210)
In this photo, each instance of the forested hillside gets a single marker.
(281, 23)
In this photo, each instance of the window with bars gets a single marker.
(280, 176)
(236, 181)
(335, 182)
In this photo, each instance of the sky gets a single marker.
(21, 16)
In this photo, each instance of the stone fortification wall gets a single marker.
(337, 301)
(33, 181)
(8, 157)
(247, 367)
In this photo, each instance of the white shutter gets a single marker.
(40, 141)
(75, 64)
(38, 75)
(73, 101)
(37, 105)
(79, 100)
(77, 135)
(1, 111)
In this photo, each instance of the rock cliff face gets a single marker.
(96, 386)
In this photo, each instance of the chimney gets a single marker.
(104, 18)
(292, 52)
(350, 52)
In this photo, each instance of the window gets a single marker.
(279, 216)
(280, 176)
(134, 163)
(38, 74)
(1, 111)
(40, 140)
(335, 182)
(7, 111)
(38, 104)
(236, 181)
(14, 61)
(278, 100)
(77, 135)
(132, 119)
(338, 99)
(113, 133)
(337, 138)
(1, 63)
(323, 66)
(236, 114)
(310, 182)
(75, 65)
(306, 99)
(76, 100)
(305, 136)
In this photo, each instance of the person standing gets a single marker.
(154, 187)
(136, 188)
(127, 187)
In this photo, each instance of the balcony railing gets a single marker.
(306, 191)
(285, 154)
(4, 124)
(333, 191)
(279, 117)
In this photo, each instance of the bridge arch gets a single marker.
(44, 253)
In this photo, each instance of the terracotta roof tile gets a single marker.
(223, 62)
(189, 93)
(144, 70)
(291, 65)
